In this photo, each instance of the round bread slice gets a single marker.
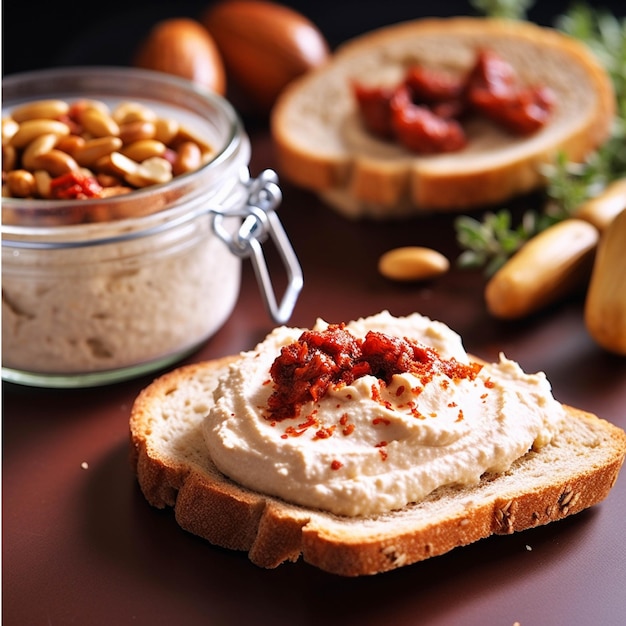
(174, 469)
(321, 144)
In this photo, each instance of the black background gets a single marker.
(39, 35)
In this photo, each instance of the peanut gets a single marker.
(9, 158)
(94, 149)
(81, 105)
(117, 164)
(144, 149)
(152, 171)
(136, 131)
(55, 163)
(70, 144)
(128, 112)
(188, 158)
(412, 263)
(42, 181)
(165, 130)
(108, 180)
(21, 183)
(98, 123)
(37, 147)
(31, 129)
(9, 128)
(114, 190)
(129, 146)
(184, 134)
(40, 109)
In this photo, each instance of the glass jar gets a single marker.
(101, 290)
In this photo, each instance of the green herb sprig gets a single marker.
(489, 242)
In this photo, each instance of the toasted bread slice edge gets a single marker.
(344, 179)
(209, 505)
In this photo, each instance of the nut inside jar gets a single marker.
(57, 149)
(104, 286)
(108, 274)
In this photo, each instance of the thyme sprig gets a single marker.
(489, 242)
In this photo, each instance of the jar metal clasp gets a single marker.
(260, 221)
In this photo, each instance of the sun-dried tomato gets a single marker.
(522, 112)
(424, 112)
(492, 73)
(432, 86)
(442, 93)
(494, 92)
(420, 130)
(374, 109)
(74, 185)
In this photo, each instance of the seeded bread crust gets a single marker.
(322, 146)
(174, 470)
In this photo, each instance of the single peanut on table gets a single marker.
(412, 263)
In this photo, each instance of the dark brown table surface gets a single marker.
(82, 546)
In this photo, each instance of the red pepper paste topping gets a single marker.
(306, 369)
(424, 113)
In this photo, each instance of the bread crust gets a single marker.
(321, 146)
(573, 473)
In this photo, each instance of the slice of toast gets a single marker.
(575, 471)
(322, 145)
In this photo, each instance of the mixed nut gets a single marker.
(54, 149)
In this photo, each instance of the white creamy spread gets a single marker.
(368, 447)
(158, 287)
(108, 307)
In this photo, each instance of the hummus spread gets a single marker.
(372, 443)
(103, 308)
